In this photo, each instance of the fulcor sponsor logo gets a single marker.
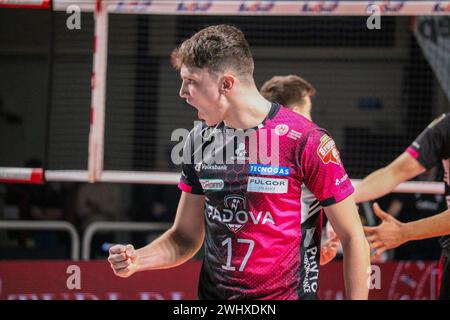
(267, 185)
(327, 150)
(281, 129)
(320, 6)
(256, 6)
(263, 169)
(339, 181)
(194, 6)
(235, 215)
(387, 6)
(212, 184)
(441, 7)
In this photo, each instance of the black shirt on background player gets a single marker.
(431, 147)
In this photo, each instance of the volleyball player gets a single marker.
(295, 93)
(247, 212)
(428, 149)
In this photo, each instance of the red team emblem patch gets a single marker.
(327, 151)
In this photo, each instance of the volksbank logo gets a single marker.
(204, 166)
(267, 185)
(263, 169)
(212, 184)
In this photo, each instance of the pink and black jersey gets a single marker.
(253, 212)
(431, 147)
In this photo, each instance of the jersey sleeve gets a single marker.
(433, 144)
(323, 171)
(189, 181)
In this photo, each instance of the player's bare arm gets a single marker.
(392, 233)
(174, 247)
(330, 247)
(384, 180)
(346, 223)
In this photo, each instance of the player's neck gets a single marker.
(247, 110)
(303, 111)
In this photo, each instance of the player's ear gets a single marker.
(226, 83)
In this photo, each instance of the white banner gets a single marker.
(265, 7)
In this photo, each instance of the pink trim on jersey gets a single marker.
(412, 152)
(184, 187)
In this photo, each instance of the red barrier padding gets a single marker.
(25, 4)
(22, 175)
(71, 280)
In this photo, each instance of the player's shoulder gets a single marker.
(294, 120)
(441, 121)
(438, 128)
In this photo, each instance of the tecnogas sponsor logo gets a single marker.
(256, 6)
(212, 184)
(235, 215)
(262, 169)
(267, 185)
(387, 6)
(320, 6)
(327, 150)
(194, 6)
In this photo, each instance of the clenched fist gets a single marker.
(123, 260)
